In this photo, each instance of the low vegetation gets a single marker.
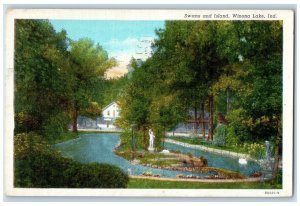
(158, 184)
(255, 150)
(178, 161)
(38, 166)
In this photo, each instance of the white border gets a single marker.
(129, 14)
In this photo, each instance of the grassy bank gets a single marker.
(199, 141)
(71, 135)
(157, 184)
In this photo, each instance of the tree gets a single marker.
(39, 86)
(255, 82)
(86, 67)
(264, 102)
(193, 61)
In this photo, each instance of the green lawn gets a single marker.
(71, 135)
(198, 141)
(157, 184)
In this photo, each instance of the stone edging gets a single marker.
(212, 150)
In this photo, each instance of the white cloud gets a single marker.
(123, 43)
(122, 57)
(124, 50)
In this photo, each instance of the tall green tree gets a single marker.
(264, 47)
(194, 61)
(39, 85)
(85, 70)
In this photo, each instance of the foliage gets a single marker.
(255, 150)
(25, 143)
(236, 130)
(56, 126)
(85, 68)
(39, 86)
(220, 135)
(228, 67)
(145, 183)
(93, 110)
(38, 166)
(126, 143)
(217, 61)
(113, 90)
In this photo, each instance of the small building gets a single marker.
(106, 122)
(191, 127)
(109, 114)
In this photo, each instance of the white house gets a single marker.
(109, 114)
(106, 122)
(111, 111)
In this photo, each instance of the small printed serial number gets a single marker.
(272, 193)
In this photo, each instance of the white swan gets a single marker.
(242, 161)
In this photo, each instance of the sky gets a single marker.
(119, 38)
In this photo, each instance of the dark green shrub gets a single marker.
(56, 126)
(38, 166)
(96, 175)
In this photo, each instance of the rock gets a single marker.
(147, 174)
(180, 176)
(256, 174)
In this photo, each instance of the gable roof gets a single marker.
(109, 105)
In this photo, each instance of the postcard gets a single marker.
(149, 103)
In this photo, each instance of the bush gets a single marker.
(28, 143)
(220, 134)
(37, 166)
(255, 150)
(95, 175)
(56, 126)
(236, 130)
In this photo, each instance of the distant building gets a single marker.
(109, 114)
(106, 122)
(190, 127)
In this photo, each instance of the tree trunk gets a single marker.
(196, 121)
(227, 101)
(144, 138)
(74, 120)
(276, 152)
(203, 120)
(211, 117)
(164, 137)
(276, 163)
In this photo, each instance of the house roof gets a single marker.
(109, 105)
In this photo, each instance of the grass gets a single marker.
(72, 135)
(198, 141)
(158, 184)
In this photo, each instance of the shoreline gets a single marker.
(259, 179)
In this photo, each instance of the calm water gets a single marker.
(218, 161)
(98, 148)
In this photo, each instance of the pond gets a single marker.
(217, 160)
(99, 148)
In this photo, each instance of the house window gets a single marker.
(108, 113)
(114, 113)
